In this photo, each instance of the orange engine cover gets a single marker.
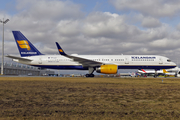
(107, 69)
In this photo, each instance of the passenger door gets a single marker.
(160, 61)
(126, 60)
(40, 61)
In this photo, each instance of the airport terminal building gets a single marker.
(24, 70)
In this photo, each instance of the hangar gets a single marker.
(24, 70)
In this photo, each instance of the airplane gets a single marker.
(173, 69)
(150, 71)
(160, 72)
(106, 64)
(170, 73)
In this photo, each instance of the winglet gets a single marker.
(60, 49)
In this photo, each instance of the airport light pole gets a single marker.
(2, 63)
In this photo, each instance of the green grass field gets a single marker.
(89, 98)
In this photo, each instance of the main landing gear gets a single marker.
(89, 75)
(91, 70)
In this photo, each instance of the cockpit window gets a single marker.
(169, 60)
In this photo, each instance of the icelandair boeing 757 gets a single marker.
(106, 64)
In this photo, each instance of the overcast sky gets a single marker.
(95, 27)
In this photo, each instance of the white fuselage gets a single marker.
(122, 61)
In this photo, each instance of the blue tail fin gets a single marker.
(26, 48)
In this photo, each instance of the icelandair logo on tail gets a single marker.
(24, 44)
(60, 50)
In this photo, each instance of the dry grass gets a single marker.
(89, 98)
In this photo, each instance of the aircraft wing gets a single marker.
(85, 62)
(18, 58)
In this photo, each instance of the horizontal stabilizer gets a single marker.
(18, 58)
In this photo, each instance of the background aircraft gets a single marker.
(107, 64)
(164, 72)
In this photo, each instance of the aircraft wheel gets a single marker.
(89, 75)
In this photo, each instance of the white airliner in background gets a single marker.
(165, 72)
(107, 64)
(150, 71)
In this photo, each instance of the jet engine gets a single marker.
(107, 69)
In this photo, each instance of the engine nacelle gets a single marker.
(107, 69)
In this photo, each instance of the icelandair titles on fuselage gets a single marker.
(142, 57)
(28, 52)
